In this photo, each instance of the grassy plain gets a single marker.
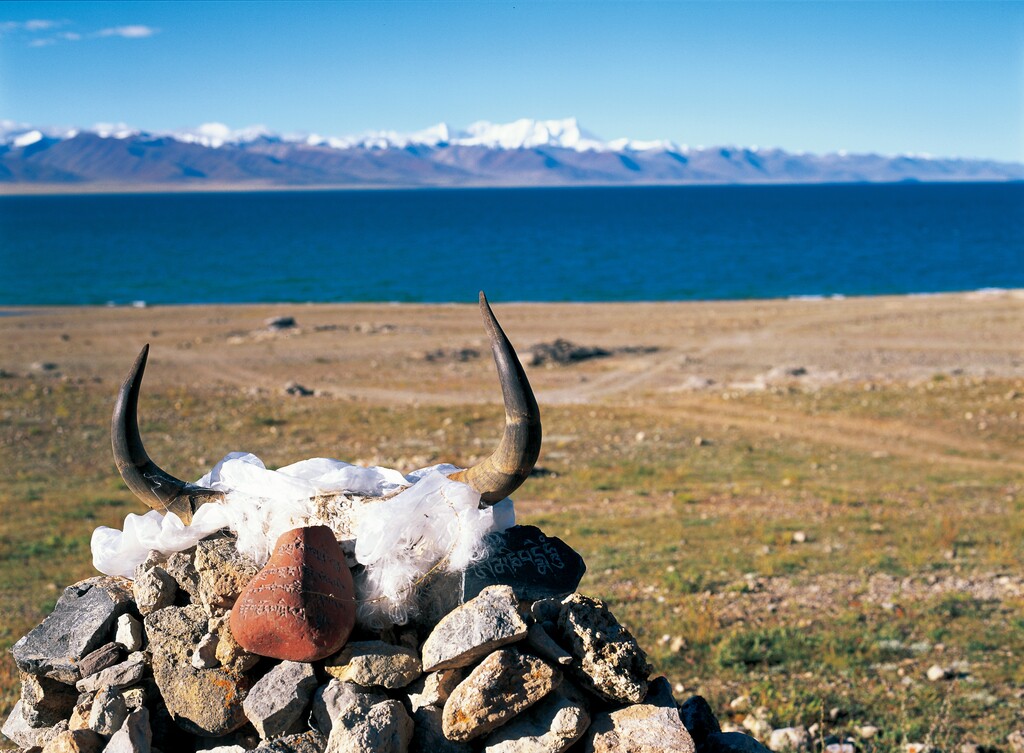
(809, 503)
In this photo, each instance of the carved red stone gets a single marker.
(301, 605)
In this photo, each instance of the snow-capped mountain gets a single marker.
(525, 152)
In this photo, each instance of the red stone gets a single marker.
(301, 606)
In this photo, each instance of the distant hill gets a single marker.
(523, 153)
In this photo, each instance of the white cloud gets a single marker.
(135, 31)
(40, 24)
(45, 42)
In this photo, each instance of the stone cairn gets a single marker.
(523, 664)
(203, 650)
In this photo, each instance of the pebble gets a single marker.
(108, 712)
(153, 589)
(549, 726)
(867, 732)
(105, 656)
(205, 654)
(278, 699)
(128, 632)
(434, 688)
(611, 663)
(384, 728)
(936, 673)
(1016, 741)
(789, 740)
(337, 700)
(75, 741)
(80, 622)
(650, 727)
(474, 630)
(501, 686)
(128, 672)
(134, 736)
(375, 664)
(542, 644)
(223, 572)
(758, 723)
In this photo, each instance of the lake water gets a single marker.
(570, 244)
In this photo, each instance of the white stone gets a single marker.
(277, 701)
(129, 632)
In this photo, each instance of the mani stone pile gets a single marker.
(522, 664)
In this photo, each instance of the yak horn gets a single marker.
(148, 481)
(510, 464)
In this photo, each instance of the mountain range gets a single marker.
(523, 153)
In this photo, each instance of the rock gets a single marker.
(136, 697)
(870, 731)
(108, 712)
(46, 702)
(336, 698)
(105, 656)
(309, 741)
(375, 664)
(384, 728)
(699, 719)
(789, 740)
(80, 714)
(550, 726)
(153, 589)
(433, 689)
(181, 568)
(546, 610)
(1016, 741)
(223, 572)
(205, 655)
(280, 322)
(538, 639)
(205, 702)
(134, 736)
(732, 742)
(936, 673)
(475, 629)
(19, 730)
(758, 722)
(611, 664)
(227, 650)
(563, 352)
(128, 632)
(428, 733)
(80, 622)
(650, 727)
(296, 389)
(301, 605)
(536, 566)
(75, 741)
(277, 701)
(121, 675)
(501, 686)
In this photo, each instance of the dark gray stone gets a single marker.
(699, 719)
(105, 656)
(82, 621)
(309, 741)
(535, 565)
(732, 742)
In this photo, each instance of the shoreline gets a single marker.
(113, 189)
(410, 352)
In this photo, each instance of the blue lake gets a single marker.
(569, 244)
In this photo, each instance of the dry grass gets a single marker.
(908, 492)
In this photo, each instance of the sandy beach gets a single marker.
(378, 352)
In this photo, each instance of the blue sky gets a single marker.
(939, 78)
